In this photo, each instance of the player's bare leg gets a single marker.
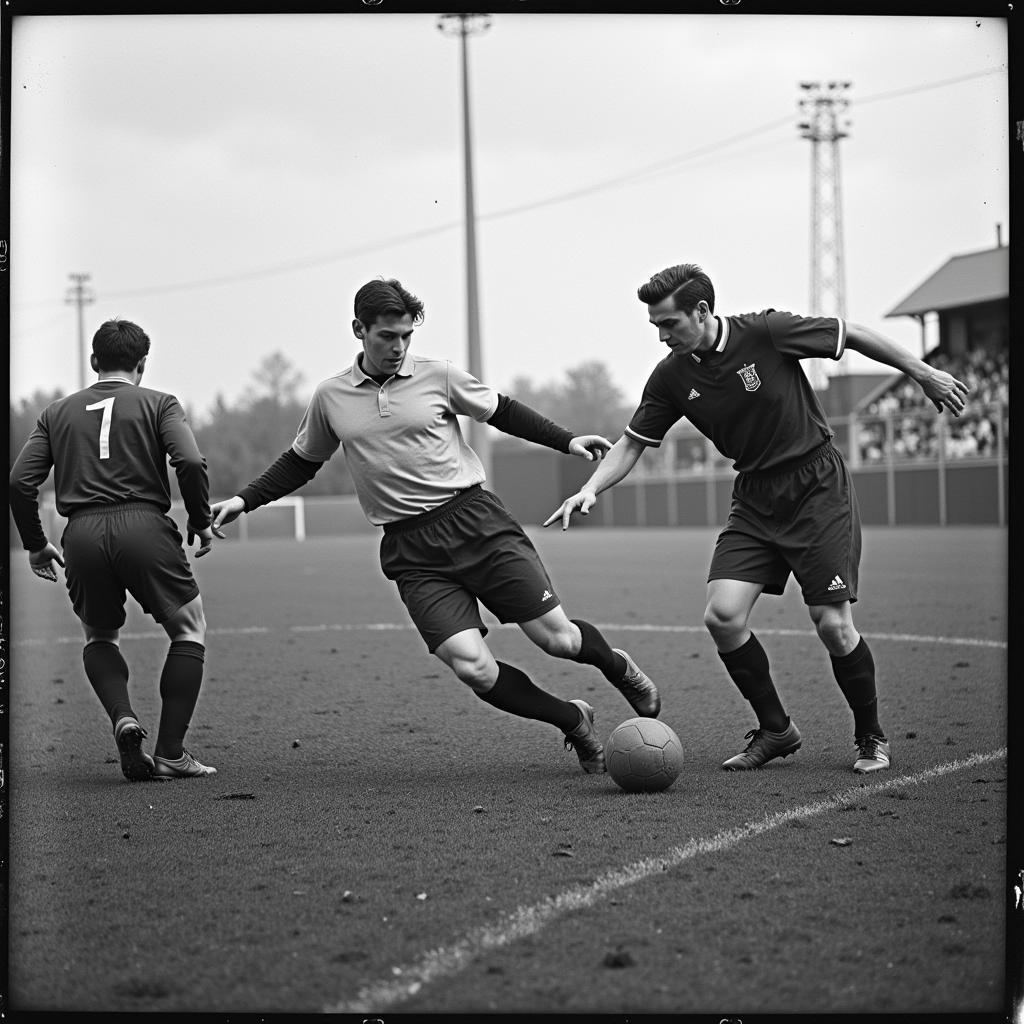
(730, 603)
(578, 640)
(511, 690)
(854, 669)
(107, 672)
(180, 683)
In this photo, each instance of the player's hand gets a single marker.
(42, 561)
(226, 511)
(590, 446)
(945, 391)
(205, 536)
(583, 502)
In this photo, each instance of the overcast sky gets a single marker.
(228, 181)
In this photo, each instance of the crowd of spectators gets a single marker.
(915, 423)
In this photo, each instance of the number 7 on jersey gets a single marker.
(107, 405)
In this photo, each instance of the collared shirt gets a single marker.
(402, 441)
(749, 394)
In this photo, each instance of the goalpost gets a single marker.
(295, 506)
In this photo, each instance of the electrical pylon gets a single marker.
(80, 296)
(822, 112)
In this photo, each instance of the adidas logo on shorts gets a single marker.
(837, 584)
(545, 595)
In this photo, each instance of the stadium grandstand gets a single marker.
(968, 300)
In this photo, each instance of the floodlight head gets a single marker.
(463, 24)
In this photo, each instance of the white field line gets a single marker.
(434, 965)
(356, 627)
(148, 634)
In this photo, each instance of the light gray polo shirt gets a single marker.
(402, 441)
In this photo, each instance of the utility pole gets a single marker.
(821, 111)
(464, 25)
(81, 297)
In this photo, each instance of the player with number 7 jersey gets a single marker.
(110, 443)
(108, 446)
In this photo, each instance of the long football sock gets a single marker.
(180, 682)
(513, 691)
(748, 667)
(855, 674)
(594, 650)
(107, 672)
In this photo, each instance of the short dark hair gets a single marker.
(386, 298)
(119, 345)
(686, 283)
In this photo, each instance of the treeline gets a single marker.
(585, 400)
(240, 440)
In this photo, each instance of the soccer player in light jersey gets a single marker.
(448, 543)
(738, 380)
(108, 446)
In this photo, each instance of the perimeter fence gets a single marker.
(909, 469)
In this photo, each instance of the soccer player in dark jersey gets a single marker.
(108, 446)
(738, 379)
(448, 543)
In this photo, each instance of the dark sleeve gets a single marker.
(287, 474)
(657, 411)
(188, 463)
(520, 420)
(30, 470)
(806, 337)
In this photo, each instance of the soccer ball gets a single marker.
(643, 755)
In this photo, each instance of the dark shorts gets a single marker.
(468, 550)
(129, 547)
(804, 521)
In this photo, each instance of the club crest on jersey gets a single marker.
(749, 376)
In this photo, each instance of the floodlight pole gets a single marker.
(465, 25)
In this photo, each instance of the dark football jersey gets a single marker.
(107, 444)
(749, 394)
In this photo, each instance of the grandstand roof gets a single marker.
(962, 281)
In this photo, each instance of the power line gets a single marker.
(641, 172)
(910, 90)
(654, 169)
(649, 170)
(713, 148)
(310, 262)
(306, 263)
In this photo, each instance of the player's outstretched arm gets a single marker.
(615, 466)
(288, 473)
(42, 561)
(941, 388)
(519, 420)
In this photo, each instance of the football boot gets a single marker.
(583, 739)
(763, 747)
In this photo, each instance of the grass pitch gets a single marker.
(377, 840)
